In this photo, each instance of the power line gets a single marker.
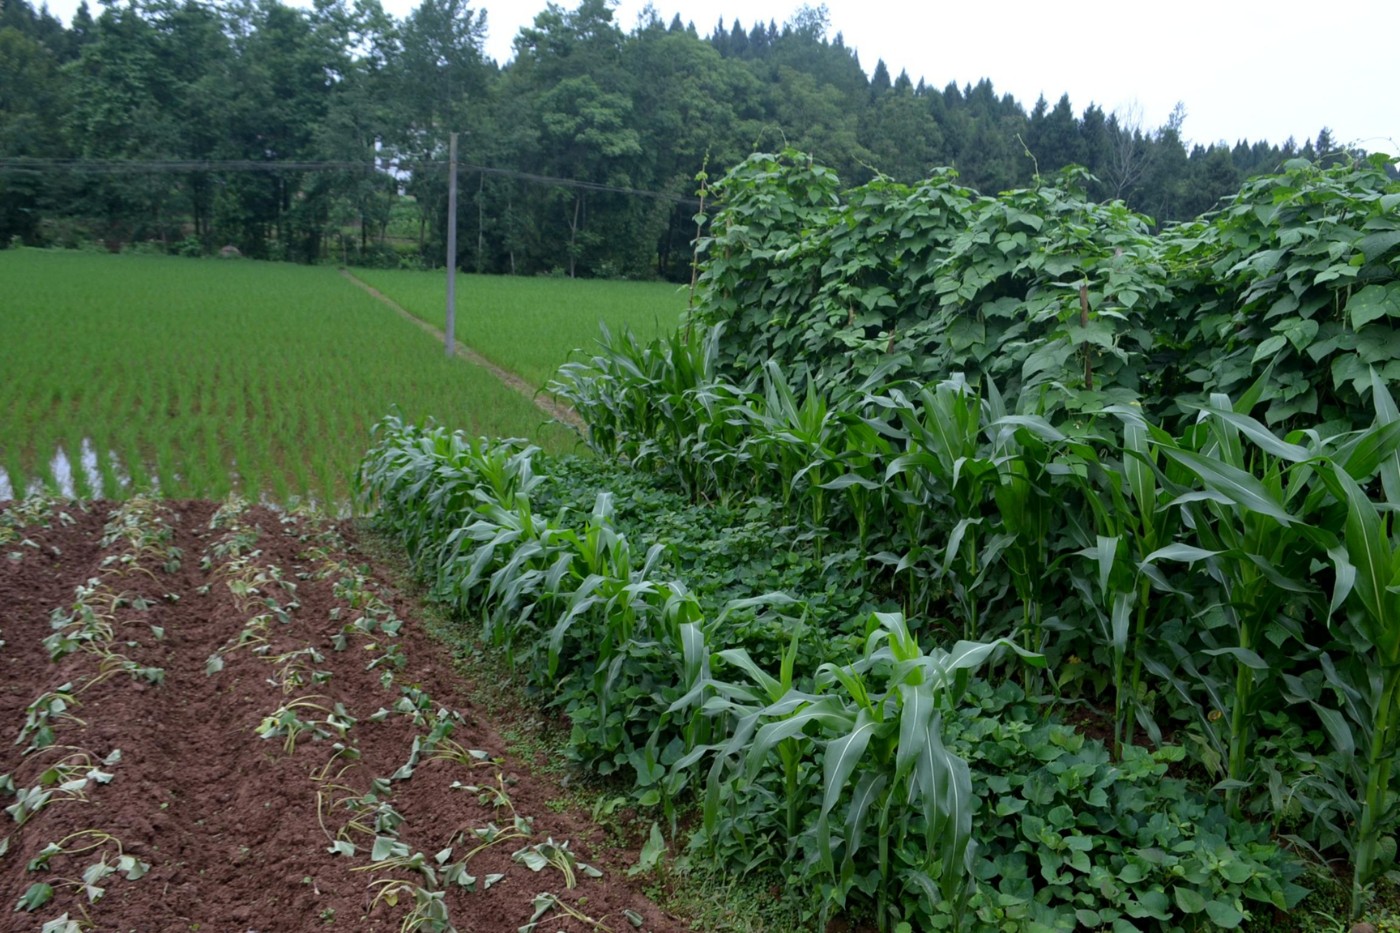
(44, 166)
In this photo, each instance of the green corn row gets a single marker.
(1210, 576)
(851, 756)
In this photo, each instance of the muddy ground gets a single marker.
(226, 718)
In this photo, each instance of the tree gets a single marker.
(689, 101)
(30, 90)
(904, 140)
(568, 84)
(123, 106)
(879, 81)
(1053, 136)
(1129, 153)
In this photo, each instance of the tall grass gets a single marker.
(530, 325)
(207, 376)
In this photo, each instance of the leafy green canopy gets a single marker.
(1054, 296)
(869, 770)
(1201, 573)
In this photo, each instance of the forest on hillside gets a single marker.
(304, 134)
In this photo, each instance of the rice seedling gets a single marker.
(531, 326)
(200, 377)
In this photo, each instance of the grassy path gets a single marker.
(544, 402)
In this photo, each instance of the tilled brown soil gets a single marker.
(252, 733)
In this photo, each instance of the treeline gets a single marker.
(104, 125)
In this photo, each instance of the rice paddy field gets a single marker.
(195, 378)
(531, 325)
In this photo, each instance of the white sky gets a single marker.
(1242, 68)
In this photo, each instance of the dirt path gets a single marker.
(545, 403)
(224, 718)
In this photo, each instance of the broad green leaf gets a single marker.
(970, 655)
(1122, 619)
(61, 924)
(953, 550)
(1369, 549)
(1387, 417)
(1338, 730)
(1269, 347)
(652, 850)
(1299, 331)
(1373, 302)
(1036, 425)
(847, 480)
(1104, 553)
(1141, 480)
(97, 871)
(1185, 553)
(739, 657)
(917, 706)
(693, 650)
(777, 599)
(1224, 915)
(1262, 437)
(35, 896)
(1232, 483)
(863, 798)
(1375, 449)
(842, 756)
(387, 847)
(531, 858)
(1345, 577)
(826, 711)
(1245, 656)
(1376, 245)
(1189, 899)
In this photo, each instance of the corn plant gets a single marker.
(945, 466)
(797, 440)
(1032, 497)
(887, 783)
(1367, 568)
(638, 400)
(1246, 512)
(1122, 518)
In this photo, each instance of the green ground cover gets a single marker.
(205, 376)
(530, 325)
(1064, 597)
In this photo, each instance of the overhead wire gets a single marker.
(43, 166)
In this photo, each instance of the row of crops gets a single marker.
(124, 374)
(974, 592)
(531, 325)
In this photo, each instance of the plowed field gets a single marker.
(224, 718)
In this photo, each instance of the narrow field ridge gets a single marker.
(545, 403)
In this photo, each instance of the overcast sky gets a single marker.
(1242, 68)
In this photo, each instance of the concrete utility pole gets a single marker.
(450, 339)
